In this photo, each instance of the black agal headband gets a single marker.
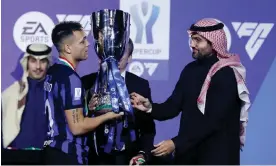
(206, 28)
(39, 53)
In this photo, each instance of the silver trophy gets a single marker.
(110, 30)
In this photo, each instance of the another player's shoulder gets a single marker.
(89, 80)
(136, 78)
(89, 77)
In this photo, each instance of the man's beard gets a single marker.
(199, 55)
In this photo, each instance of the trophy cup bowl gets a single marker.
(110, 31)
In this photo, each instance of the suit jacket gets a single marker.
(144, 124)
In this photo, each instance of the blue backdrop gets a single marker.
(158, 28)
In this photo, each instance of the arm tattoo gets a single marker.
(75, 116)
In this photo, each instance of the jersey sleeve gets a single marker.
(72, 93)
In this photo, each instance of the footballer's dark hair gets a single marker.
(64, 30)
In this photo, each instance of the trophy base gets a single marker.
(103, 109)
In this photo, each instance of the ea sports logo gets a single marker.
(33, 27)
(227, 33)
(136, 68)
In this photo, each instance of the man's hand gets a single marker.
(137, 160)
(139, 102)
(93, 102)
(163, 148)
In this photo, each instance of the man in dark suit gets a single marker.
(133, 152)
